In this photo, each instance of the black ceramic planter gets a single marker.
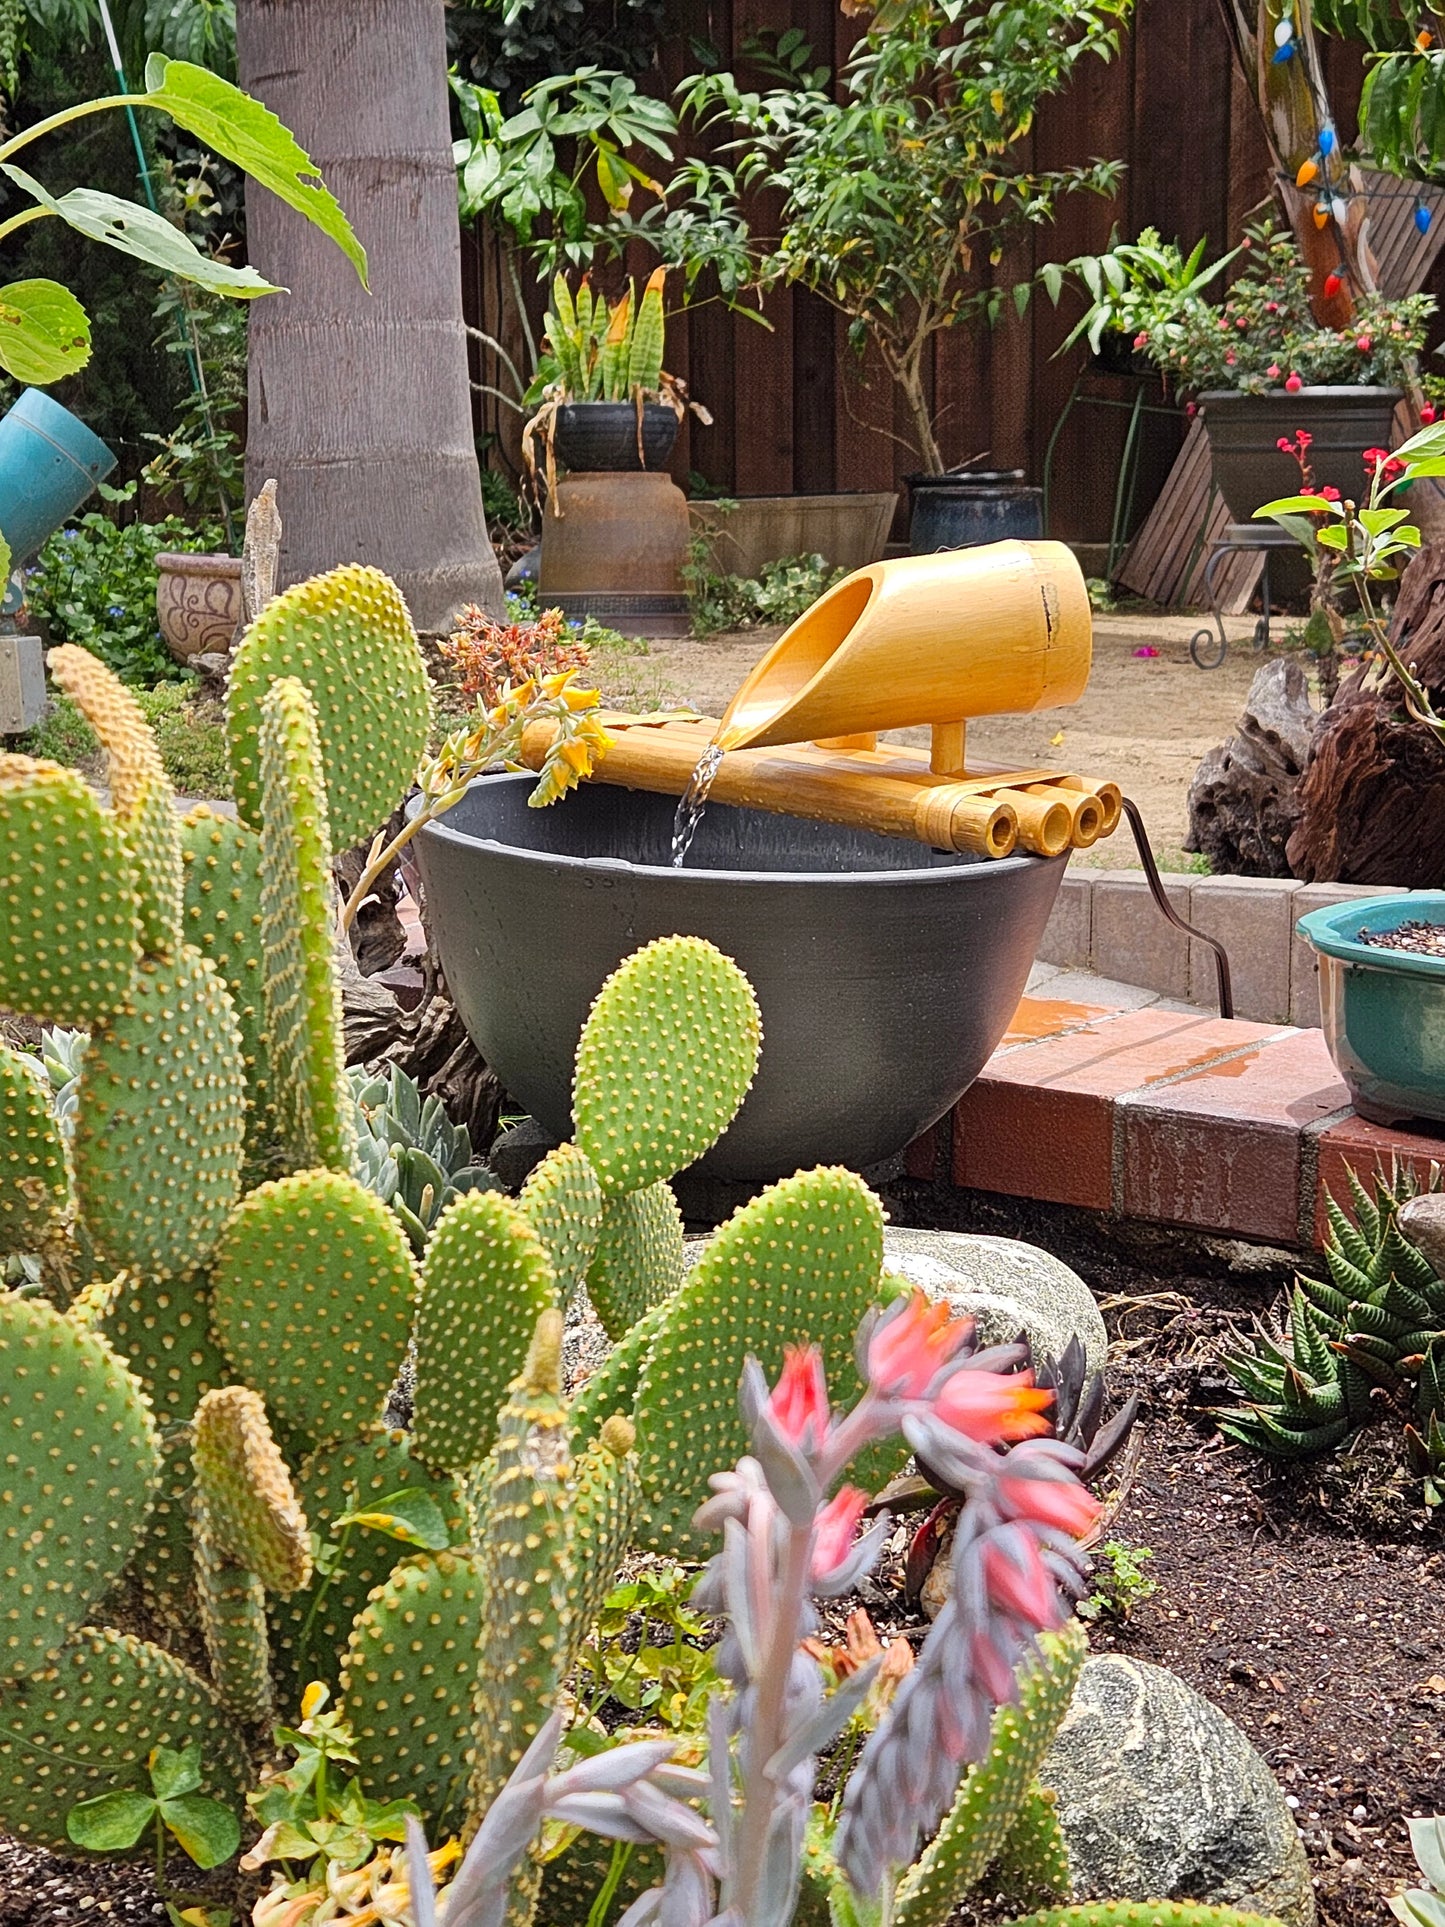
(886, 973)
(1251, 469)
(960, 511)
(602, 435)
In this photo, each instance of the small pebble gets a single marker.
(1359, 1813)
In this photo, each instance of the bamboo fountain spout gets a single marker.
(929, 639)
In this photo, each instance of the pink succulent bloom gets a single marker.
(1364, 344)
(1231, 357)
(1427, 414)
(1141, 341)
(906, 1350)
(1273, 372)
(835, 1530)
(1059, 1502)
(1330, 494)
(1023, 1585)
(990, 1406)
(799, 1402)
(1294, 384)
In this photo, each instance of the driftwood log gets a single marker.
(1372, 801)
(1243, 801)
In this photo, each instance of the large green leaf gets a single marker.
(249, 134)
(44, 332)
(206, 1830)
(136, 231)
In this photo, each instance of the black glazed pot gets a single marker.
(1250, 468)
(886, 973)
(963, 509)
(593, 435)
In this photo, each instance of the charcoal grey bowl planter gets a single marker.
(1251, 469)
(886, 973)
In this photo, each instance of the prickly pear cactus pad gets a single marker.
(87, 1724)
(221, 916)
(311, 1298)
(140, 791)
(34, 1187)
(665, 1059)
(314, 1109)
(252, 1513)
(562, 1201)
(232, 1610)
(485, 1283)
(162, 1329)
(409, 1681)
(80, 1461)
(606, 1499)
(160, 1120)
(638, 1260)
(69, 937)
(992, 1795)
(310, 1629)
(800, 1264)
(348, 638)
(612, 1388)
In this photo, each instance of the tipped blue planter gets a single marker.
(1383, 1010)
(49, 463)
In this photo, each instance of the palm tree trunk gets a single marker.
(359, 403)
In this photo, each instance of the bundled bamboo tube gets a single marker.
(887, 790)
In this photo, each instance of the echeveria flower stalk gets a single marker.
(1016, 1563)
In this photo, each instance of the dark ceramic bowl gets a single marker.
(886, 973)
(591, 435)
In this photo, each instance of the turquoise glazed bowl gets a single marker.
(1383, 1010)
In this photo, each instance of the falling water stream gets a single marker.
(693, 802)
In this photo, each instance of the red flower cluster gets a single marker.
(1380, 461)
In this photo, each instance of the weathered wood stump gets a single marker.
(1372, 801)
(1244, 799)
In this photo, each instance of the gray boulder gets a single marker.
(1161, 1797)
(1007, 1286)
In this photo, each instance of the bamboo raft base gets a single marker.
(985, 811)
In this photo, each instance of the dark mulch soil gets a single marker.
(1305, 1601)
(39, 1889)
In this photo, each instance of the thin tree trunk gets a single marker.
(359, 403)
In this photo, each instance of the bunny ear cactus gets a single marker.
(994, 1792)
(312, 1297)
(353, 1480)
(562, 1201)
(666, 1057)
(221, 915)
(88, 1723)
(82, 1462)
(34, 1182)
(409, 1680)
(231, 1605)
(311, 1096)
(802, 1260)
(485, 1283)
(251, 1507)
(160, 1119)
(638, 1260)
(70, 936)
(348, 639)
(140, 791)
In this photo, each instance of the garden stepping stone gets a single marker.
(1161, 1796)
(1008, 1286)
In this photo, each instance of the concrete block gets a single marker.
(1253, 918)
(1132, 942)
(1069, 931)
(1304, 966)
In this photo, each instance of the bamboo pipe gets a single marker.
(824, 786)
(1085, 811)
(905, 765)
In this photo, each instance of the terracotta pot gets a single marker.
(198, 603)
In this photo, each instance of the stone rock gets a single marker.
(1006, 1285)
(1161, 1797)
(517, 1153)
(1422, 1221)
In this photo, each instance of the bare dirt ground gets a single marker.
(1143, 721)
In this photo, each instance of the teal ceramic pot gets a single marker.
(1383, 1010)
